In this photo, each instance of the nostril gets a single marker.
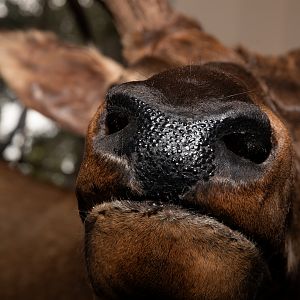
(116, 121)
(252, 146)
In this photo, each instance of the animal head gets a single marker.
(189, 186)
(187, 182)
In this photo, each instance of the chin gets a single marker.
(156, 251)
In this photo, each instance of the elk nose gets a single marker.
(171, 149)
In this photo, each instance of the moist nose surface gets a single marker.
(172, 151)
(167, 151)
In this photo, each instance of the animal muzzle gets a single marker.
(170, 149)
(179, 187)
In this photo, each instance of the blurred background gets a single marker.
(37, 146)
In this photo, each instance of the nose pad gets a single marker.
(170, 151)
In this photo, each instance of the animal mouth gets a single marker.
(183, 212)
(147, 207)
(166, 208)
(175, 247)
(165, 211)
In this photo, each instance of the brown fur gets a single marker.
(41, 249)
(167, 253)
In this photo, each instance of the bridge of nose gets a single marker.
(194, 86)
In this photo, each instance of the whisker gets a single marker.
(237, 94)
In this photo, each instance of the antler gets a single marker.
(152, 28)
(62, 81)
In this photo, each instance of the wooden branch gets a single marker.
(153, 29)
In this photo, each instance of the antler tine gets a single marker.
(139, 15)
(153, 29)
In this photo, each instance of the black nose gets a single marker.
(171, 148)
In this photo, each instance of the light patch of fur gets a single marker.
(123, 163)
(292, 258)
